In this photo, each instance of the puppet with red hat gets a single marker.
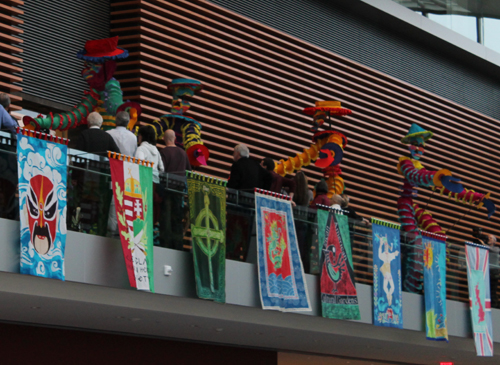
(105, 95)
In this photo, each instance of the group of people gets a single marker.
(170, 159)
(143, 146)
(247, 174)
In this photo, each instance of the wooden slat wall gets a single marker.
(9, 50)
(257, 80)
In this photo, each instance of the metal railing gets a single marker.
(89, 197)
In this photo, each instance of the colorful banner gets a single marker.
(207, 209)
(281, 275)
(387, 292)
(42, 171)
(478, 276)
(132, 181)
(436, 322)
(339, 298)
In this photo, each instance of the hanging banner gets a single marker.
(132, 182)
(281, 274)
(207, 209)
(42, 173)
(339, 298)
(478, 276)
(436, 322)
(387, 292)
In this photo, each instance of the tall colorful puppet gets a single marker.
(187, 129)
(411, 215)
(327, 150)
(105, 95)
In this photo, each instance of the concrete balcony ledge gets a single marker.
(96, 296)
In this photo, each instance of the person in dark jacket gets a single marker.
(351, 213)
(175, 159)
(321, 195)
(247, 174)
(7, 121)
(95, 140)
(278, 182)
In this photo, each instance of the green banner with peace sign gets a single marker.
(207, 206)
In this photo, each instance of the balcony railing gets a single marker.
(89, 197)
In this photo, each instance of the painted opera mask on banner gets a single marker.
(42, 212)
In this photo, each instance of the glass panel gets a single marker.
(463, 25)
(90, 211)
(491, 32)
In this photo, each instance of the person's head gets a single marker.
(5, 101)
(268, 164)
(492, 240)
(94, 120)
(321, 187)
(301, 189)
(240, 150)
(122, 119)
(345, 200)
(337, 199)
(169, 137)
(146, 133)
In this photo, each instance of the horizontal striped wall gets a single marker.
(10, 68)
(257, 81)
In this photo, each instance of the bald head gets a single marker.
(169, 137)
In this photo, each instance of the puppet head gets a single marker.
(323, 110)
(416, 139)
(42, 212)
(99, 56)
(182, 90)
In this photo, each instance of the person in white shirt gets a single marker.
(147, 150)
(337, 201)
(124, 139)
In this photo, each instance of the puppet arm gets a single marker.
(76, 116)
(415, 173)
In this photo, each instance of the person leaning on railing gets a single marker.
(321, 197)
(94, 139)
(246, 173)
(7, 121)
(494, 269)
(146, 138)
(351, 213)
(124, 139)
(278, 182)
(302, 197)
(175, 161)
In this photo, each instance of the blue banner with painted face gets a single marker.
(42, 173)
(387, 293)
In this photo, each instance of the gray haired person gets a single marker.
(124, 139)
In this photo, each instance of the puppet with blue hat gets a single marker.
(187, 129)
(413, 217)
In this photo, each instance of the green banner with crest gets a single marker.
(207, 206)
